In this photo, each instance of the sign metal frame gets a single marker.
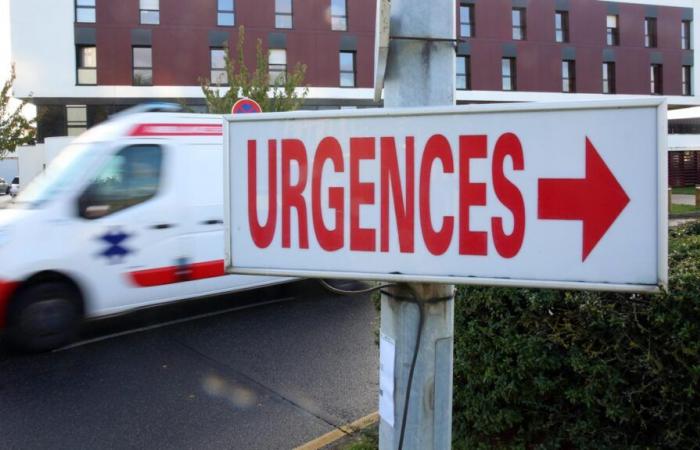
(381, 46)
(661, 190)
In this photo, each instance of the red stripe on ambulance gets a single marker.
(7, 289)
(177, 274)
(176, 129)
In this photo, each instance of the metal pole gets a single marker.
(420, 72)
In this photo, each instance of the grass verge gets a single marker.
(686, 190)
(683, 209)
(367, 439)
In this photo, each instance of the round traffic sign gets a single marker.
(245, 106)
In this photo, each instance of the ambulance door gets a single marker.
(130, 228)
(204, 217)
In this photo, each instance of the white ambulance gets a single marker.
(129, 215)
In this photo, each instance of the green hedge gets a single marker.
(548, 369)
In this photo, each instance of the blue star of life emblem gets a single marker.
(115, 251)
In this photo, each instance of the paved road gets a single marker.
(683, 199)
(263, 377)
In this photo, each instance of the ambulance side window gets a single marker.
(130, 177)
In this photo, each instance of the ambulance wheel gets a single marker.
(44, 317)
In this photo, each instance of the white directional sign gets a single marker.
(564, 195)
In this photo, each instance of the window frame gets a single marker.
(686, 80)
(343, 17)
(465, 65)
(227, 12)
(612, 34)
(79, 67)
(79, 125)
(650, 32)
(213, 69)
(686, 34)
(289, 14)
(564, 30)
(354, 68)
(656, 86)
(273, 82)
(568, 82)
(84, 204)
(521, 27)
(470, 24)
(142, 10)
(134, 67)
(79, 7)
(610, 80)
(512, 75)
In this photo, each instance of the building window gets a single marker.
(508, 74)
(519, 26)
(283, 13)
(347, 69)
(225, 13)
(87, 65)
(339, 15)
(150, 12)
(650, 32)
(686, 83)
(608, 78)
(143, 66)
(85, 11)
(277, 66)
(76, 119)
(218, 66)
(466, 20)
(613, 32)
(657, 82)
(568, 76)
(463, 81)
(561, 26)
(685, 35)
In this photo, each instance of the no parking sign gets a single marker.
(246, 106)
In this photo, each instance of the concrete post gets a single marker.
(420, 72)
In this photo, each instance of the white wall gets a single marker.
(29, 111)
(43, 47)
(31, 162)
(4, 38)
(54, 145)
(33, 159)
(683, 142)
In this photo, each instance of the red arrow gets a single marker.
(597, 200)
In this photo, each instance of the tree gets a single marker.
(15, 129)
(279, 94)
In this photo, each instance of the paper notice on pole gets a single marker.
(387, 353)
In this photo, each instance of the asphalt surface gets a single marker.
(270, 376)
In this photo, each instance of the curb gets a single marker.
(692, 215)
(339, 433)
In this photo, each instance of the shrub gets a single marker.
(546, 369)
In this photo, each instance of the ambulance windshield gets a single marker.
(60, 175)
